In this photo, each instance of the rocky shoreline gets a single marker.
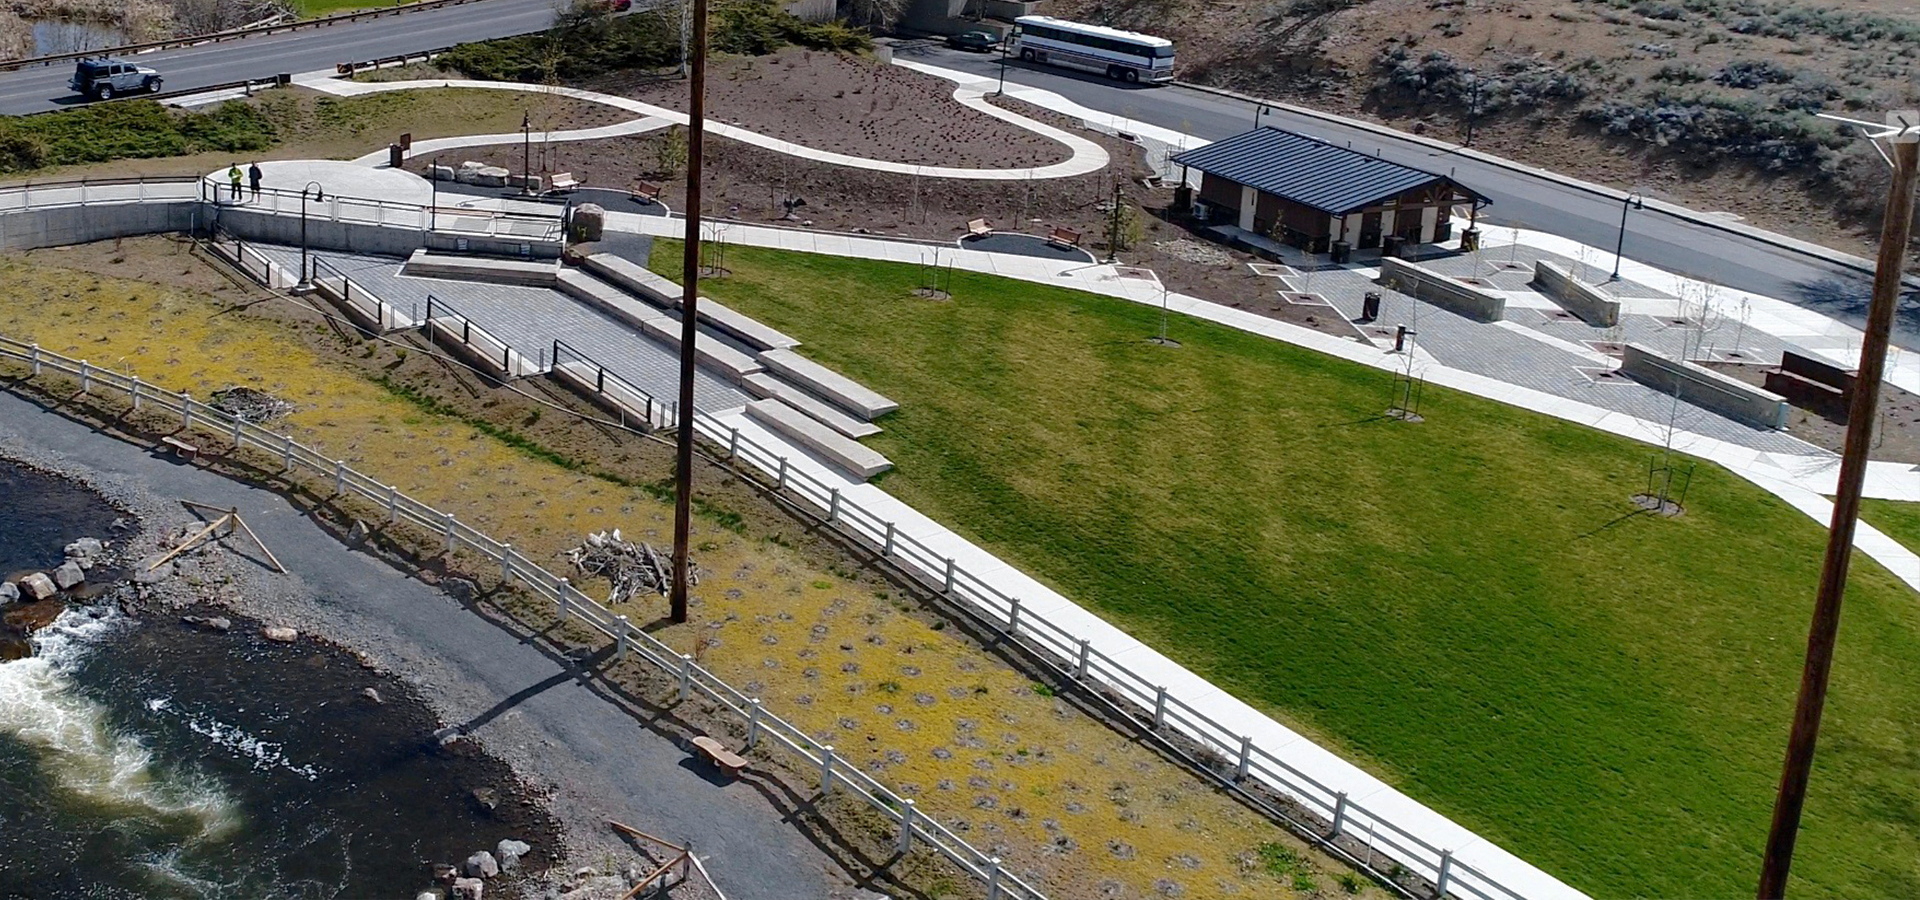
(209, 586)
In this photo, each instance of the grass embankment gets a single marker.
(837, 653)
(1465, 606)
(292, 123)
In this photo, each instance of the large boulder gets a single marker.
(589, 222)
(509, 851)
(482, 865)
(490, 176)
(37, 586)
(69, 575)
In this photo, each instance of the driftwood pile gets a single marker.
(258, 407)
(632, 569)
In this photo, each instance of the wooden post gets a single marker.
(690, 316)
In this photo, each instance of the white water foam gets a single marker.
(39, 706)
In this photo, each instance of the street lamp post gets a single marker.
(526, 152)
(306, 270)
(433, 210)
(1633, 201)
(1473, 104)
(1260, 109)
(1002, 89)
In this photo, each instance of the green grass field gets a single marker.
(1465, 606)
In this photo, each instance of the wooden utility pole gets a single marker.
(689, 310)
(1894, 234)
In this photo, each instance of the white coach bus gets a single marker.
(1124, 55)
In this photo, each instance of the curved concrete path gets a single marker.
(1088, 157)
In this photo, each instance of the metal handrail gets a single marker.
(656, 412)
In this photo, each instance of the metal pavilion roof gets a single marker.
(1312, 172)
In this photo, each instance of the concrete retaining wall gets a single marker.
(1448, 293)
(374, 240)
(1591, 304)
(1706, 388)
(31, 229)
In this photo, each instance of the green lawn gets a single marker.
(313, 9)
(1464, 606)
(1896, 519)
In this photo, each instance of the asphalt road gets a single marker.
(41, 88)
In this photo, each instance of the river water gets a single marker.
(141, 758)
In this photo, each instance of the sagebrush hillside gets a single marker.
(1709, 102)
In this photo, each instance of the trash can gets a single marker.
(1342, 251)
(1394, 246)
(1370, 306)
(1470, 240)
(396, 158)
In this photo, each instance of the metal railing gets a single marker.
(251, 262)
(624, 397)
(543, 227)
(92, 191)
(371, 311)
(443, 321)
(690, 678)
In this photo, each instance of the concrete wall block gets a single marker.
(1590, 303)
(1705, 388)
(1450, 294)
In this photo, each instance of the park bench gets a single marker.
(717, 753)
(563, 181)
(180, 448)
(1065, 237)
(647, 190)
(979, 227)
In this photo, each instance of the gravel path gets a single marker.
(525, 705)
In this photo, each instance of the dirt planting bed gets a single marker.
(849, 104)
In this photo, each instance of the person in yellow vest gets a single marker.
(233, 175)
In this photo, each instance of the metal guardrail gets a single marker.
(372, 211)
(84, 191)
(216, 37)
(236, 251)
(444, 321)
(689, 677)
(621, 395)
(371, 311)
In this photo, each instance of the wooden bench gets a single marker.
(717, 753)
(979, 227)
(648, 190)
(180, 448)
(1065, 237)
(563, 181)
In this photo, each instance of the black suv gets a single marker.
(102, 78)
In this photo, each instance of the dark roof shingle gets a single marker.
(1332, 179)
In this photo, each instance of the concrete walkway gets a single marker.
(628, 770)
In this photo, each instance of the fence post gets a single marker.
(506, 569)
(1339, 812)
(1446, 872)
(753, 722)
(993, 878)
(134, 392)
(186, 410)
(339, 476)
(780, 481)
(626, 631)
(833, 504)
(1246, 758)
(1080, 668)
(33, 356)
(733, 440)
(1013, 618)
(906, 825)
(826, 769)
(449, 534)
(686, 676)
(1159, 707)
(563, 590)
(238, 424)
(887, 548)
(393, 504)
(86, 377)
(949, 587)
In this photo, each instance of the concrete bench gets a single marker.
(837, 448)
(1706, 388)
(1444, 291)
(1591, 304)
(427, 264)
(836, 388)
(656, 288)
(635, 278)
(722, 758)
(711, 352)
(187, 452)
(609, 299)
(765, 385)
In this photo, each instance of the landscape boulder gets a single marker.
(509, 851)
(69, 575)
(482, 865)
(280, 633)
(589, 222)
(468, 888)
(490, 176)
(37, 586)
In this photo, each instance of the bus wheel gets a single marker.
(1131, 75)
(1113, 72)
(1026, 55)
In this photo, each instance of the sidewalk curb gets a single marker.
(1781, 241)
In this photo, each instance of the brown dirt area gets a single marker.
(1619, 50)
(849, 104)
(785, 610)
(1896, 435)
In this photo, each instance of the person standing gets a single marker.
(233, 176)
(253, 179)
